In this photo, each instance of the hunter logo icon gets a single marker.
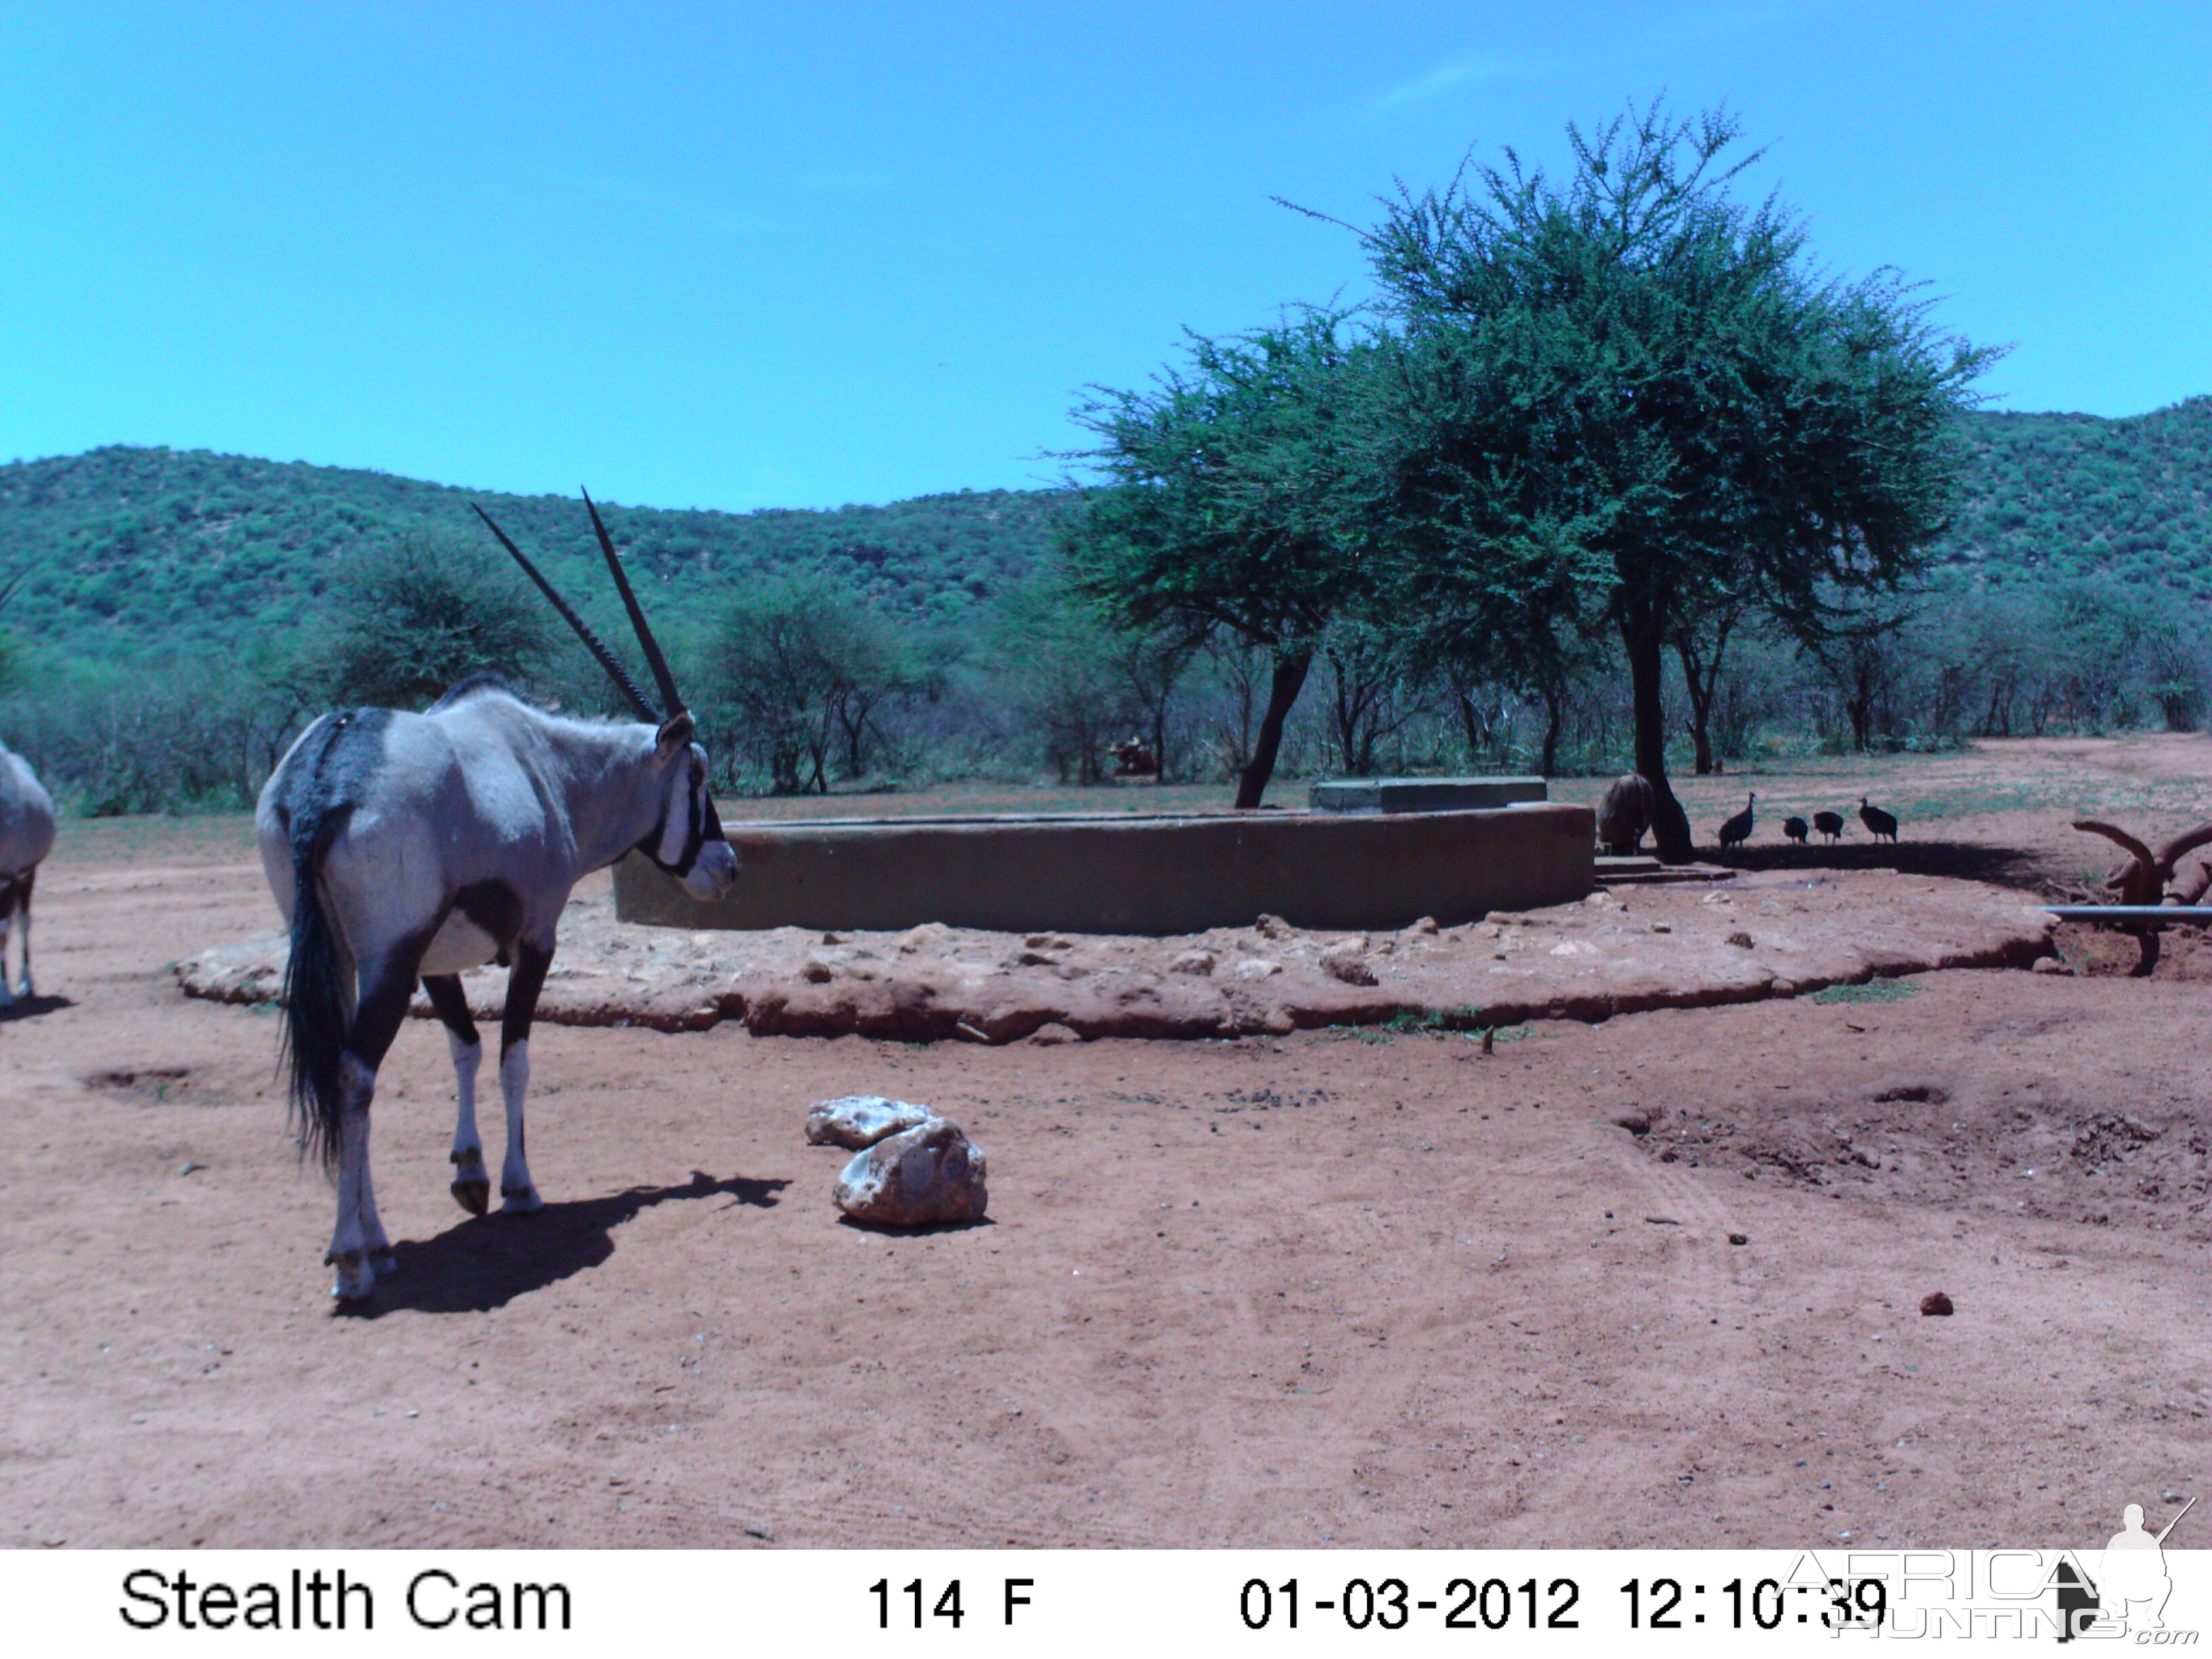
(2131, 1585)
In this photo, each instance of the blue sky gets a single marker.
(796, 256)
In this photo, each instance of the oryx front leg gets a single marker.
(472, 1186)
(516, 1192)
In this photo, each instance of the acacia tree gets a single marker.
(1062, 668)
(408, 619)
(1229, 505)
(804, 663)
(1636, 383)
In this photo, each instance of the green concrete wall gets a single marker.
(1134, 875)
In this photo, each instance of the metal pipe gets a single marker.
(2198, 915)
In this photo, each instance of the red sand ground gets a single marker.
(1327, 1288)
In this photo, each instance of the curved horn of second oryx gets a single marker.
(615, 670)
(666, 680)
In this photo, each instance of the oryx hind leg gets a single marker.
(15, 892)
(359, 1247)
(517, 1191)
(472, 1186)
(23, 906)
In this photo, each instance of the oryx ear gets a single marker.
(675, 737)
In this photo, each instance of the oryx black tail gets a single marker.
(316, 798)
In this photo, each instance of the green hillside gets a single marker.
(2062, 496)
(135, 555)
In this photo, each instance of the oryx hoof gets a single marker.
(473, 1196)
(519, 1200)
(384, 1261)
(356, 1280)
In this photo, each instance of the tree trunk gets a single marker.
(1703, 680)
(1478, 736)
(1859, 705)
(1554, 722)
(1701, 707)
(1284, 686)
(1643, 633)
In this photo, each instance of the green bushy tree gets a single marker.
(1231, 502)
(1631, 380)
(408, 618)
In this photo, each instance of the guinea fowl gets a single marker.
(1795, 829)
(1830, 824)
(1877, 821)
(1737, 829)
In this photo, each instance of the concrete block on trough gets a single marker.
(1425, 794)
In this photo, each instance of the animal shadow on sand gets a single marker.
(486, 1261)
(2002, 867)
(31, 1007)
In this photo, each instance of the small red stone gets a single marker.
(1936, 1302)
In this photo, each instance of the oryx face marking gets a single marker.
(404, 845)
(687, 841)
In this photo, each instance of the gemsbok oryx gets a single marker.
(27, 835)
(403, 846)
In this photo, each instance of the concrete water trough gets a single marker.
(1074, 873)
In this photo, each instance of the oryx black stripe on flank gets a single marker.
(494, 906)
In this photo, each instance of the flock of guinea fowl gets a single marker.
(1626, 814)
(1878, 823)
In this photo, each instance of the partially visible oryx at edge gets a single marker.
(404, 846)
(27, 835)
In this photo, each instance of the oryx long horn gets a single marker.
(2120, 837)
(2168, 856)
(659, 664)
(615, 671)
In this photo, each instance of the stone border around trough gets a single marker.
(1613, 953)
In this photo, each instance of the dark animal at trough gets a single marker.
(1830, 824)
(1878, 823)
(1794, 829)
(1625, 814)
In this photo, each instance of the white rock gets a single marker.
(933, 1173)
(859, 1121)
